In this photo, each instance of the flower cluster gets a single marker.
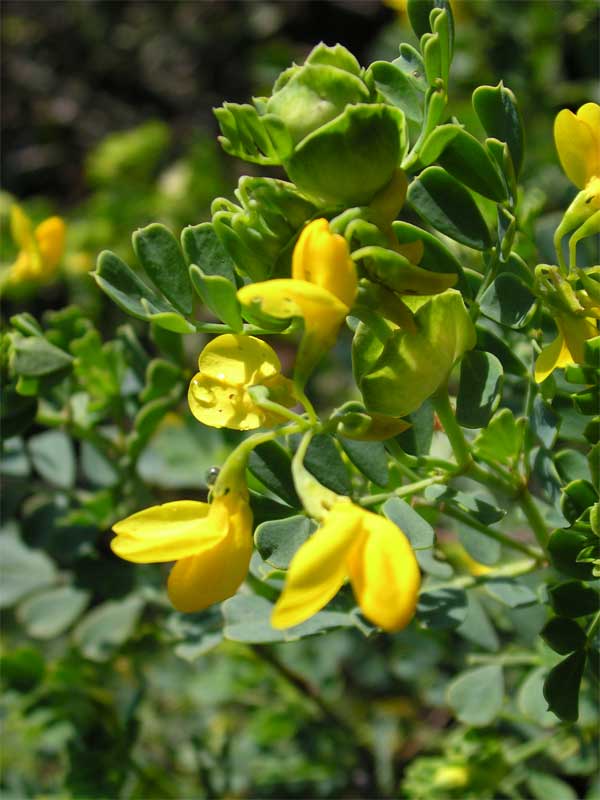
(212, 542)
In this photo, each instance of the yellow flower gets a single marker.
(321, 290)
(568, 347)
(211, 543)
(577, 138)
(40, 249)
(371, 551)
(229, 366)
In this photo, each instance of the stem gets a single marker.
(460, 446)
(220, 327)
(404, 491)
(593, 625)
(534, 517)
(467, 519)
(512, 570)
(309, 690)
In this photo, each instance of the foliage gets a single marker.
(464, 448)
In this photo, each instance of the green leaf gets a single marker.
(564, 547)
(271, 464)
(531, 701)
(467, 160)
(478, 546)
(477, 627)
(411, 64)
(445, 204)
(53, 456)
(561, 687)
(324, 461)
(220, 296)
(578, 497)
(22, 570)
(126, 289)
(397, 89)
(278, 540)
(202, 246)
(440, 609)
(195, 634)
(502, 440)
(370, 458)
(161, 378)
(480, 389)
(248, 619)
(160, 255)
(50, 613)
(545, 422)
(508, 301)
(411, 523)
(418, 14)
(545, 786)
(417, 439)
(563, 635)
(35, 357)
(488, 341)
(477, 695)
(466, 501)
(104, 629)
(499, 114)
(574, 599)
(510, 592)
(99, 367)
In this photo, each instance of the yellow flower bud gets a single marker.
(367, 548)
(321, 291)
(229, 366)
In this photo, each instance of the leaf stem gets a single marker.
(460, 446)
(404, 491)
(474, 523)
(531, 511)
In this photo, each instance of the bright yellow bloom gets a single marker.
(40, 249)
(577, 138)
(568, 347)
(321, 290)
(367, 548)
(229, 366)
(212, 544)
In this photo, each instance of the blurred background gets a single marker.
(107, 121)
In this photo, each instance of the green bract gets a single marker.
(323, 124)
(407, 367)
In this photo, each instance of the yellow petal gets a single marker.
(20, 227)
(170, 531)
(318, 569)
(590, 114)
(578, 145)
(50, 237)
(576, 331)
(553, 356)
(238, 360)
(284, 298)
(384, 573)
(220, 405)
(323, 258)
(216, 573)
